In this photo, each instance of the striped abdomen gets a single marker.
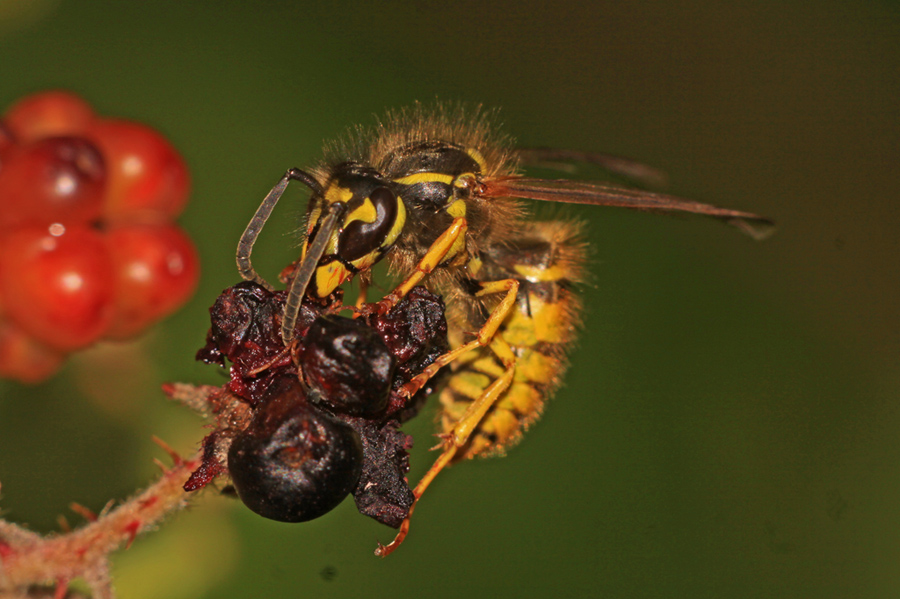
(547, 260)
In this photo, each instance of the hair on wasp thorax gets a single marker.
(437, 192)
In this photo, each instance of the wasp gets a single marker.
(438, 193)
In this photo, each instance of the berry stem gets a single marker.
(30, 559)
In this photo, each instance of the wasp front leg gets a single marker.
(446, 246)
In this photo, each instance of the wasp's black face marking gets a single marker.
(360, 237)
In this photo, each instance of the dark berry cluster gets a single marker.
(321, 417)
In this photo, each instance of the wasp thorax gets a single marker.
(347, 366)
(294, 462)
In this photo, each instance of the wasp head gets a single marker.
(368, 218)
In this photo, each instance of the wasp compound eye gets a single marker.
(365, 235)
(348, 366)
(294, 462)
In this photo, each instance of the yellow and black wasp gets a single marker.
(438, 193)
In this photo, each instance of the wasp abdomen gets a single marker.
(546, 260)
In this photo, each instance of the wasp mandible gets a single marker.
(437, 192)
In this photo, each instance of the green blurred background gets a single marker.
(729, 426)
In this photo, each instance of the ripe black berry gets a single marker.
(294, 462)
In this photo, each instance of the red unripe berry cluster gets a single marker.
(88, 247)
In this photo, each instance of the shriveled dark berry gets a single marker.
(383, 492)
(294, 462)
(415, 331)
(246, 330)
(243, 320)
(348, 366)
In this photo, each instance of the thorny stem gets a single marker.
(28, 559)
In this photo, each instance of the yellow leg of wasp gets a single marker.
(363, 293)
(454, 440)
(431, 260)
(484, 337)
(466, 425)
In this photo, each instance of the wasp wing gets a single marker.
(597, 194)
(565, 161)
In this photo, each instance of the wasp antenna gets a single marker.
(304, 274)
(256, 224)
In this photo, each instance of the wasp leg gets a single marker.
(443, 460)
(453, 441)
(436, 255)
(363, 293)
(469, 422)
(484, 337)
